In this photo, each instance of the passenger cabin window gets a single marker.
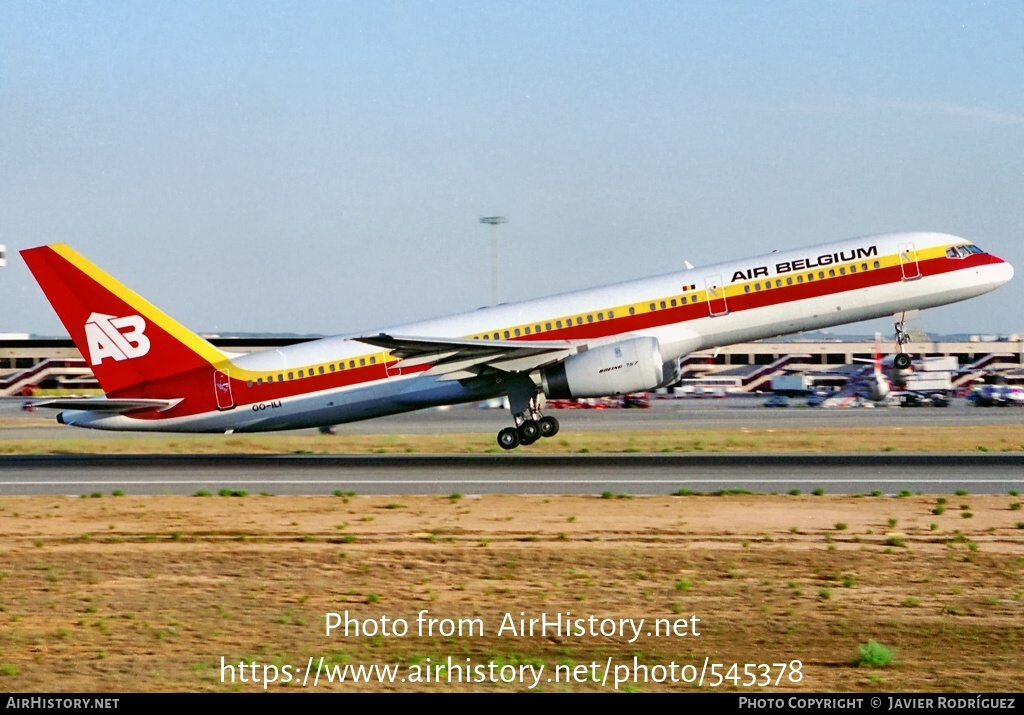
(362, 362)
(590, 318)
(652, 306)
(547, 326)
(877, 264)
(331, 367)
(746, 289)
(558, 323)
(600, 316)
(507, 335)
(632, 311)
(663, 304)
(291, 376)
(526, 330)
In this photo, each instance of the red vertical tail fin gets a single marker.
(125, 339)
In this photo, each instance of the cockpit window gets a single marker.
(962, 251)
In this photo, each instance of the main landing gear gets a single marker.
(525, 403)
(527, 432)
(902, 360)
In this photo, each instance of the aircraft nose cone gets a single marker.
(1005, 271)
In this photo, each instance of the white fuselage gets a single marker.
(722, 304)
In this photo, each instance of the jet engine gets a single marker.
(619, 368)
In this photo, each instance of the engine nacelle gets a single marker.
(670, 373)
(629, 366)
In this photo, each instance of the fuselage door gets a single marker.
(908, 262)
(716, 296)
(222, 390)
(392, 367)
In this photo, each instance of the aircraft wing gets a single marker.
(102, 404)
(458, 359)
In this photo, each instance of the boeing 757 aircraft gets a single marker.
(628, 337)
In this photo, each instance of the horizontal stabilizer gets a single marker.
(102, 404)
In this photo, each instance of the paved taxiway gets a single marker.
(508, 474)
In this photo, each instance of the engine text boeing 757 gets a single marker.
(628, 337)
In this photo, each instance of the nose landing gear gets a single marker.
(902, 360)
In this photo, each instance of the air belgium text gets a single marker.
(803, 264)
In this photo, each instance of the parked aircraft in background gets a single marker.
(628, 337)
(928, 381)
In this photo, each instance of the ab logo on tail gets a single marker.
(108, 338)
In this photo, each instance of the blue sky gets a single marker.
(320, 167)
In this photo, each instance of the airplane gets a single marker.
(628, 337)
(872, 385)
(929, 381)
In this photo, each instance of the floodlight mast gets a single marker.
(494, 222)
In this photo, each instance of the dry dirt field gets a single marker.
(148, 594)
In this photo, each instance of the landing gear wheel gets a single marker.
(529, 432)
(901, 361)
(548, 426)
(508, 438)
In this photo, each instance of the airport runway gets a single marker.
(727, 413)
(511, 474)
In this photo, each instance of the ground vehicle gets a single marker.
(777, 401)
